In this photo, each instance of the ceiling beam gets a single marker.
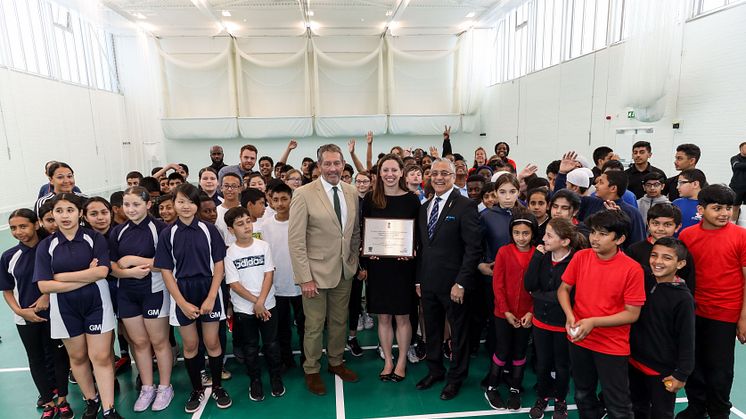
(206, 9)
(401, 6)
(495, 12)
(127, 16)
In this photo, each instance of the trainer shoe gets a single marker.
(71, 378)
(206, 378)
(368, 321)
(146, 397)
(354, 346)
(514, 400)
(493, 398)
(91, 409)
(692, 412)
(195, 399)
(112, 414)
(222, 399)
(560, 409)
(49, 412)
(226, 375)
(412, 355)
(39, 402)
(278, 388)
(65, 411)
(537, 412)
(420, 348)
(256, 392)
(163, 398)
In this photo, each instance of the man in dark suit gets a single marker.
(449, 251)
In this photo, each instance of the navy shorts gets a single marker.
(195, 291)
(86, 310)
(149, 305)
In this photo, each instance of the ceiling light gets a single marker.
(310, 13)
(394, 25)
(389, 13)
(226, 13)
(139, 15)
(470, 15)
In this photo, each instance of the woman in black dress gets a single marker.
(391, 281)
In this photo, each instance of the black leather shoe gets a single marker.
(428, 382)
(450, 391)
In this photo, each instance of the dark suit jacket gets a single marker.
(455, 249)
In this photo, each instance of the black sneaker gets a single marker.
(71, 378)
(91, 409)
(514, 400)
(195, 399)
(560, 409)
(222, 399)
(537, 412)
(420, 349)
(39, 402)
(354, 346)
(49, 412)
(692, 412)
(256, 392)
(65, 411)
(278, 388)
(493, 398)
(112, 414)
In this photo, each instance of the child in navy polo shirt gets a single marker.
(190, 256)
(662, 339)
(249, 271)
(30, 309)
(71, 266)
(719, 250)
(609, 293)
(143, 300)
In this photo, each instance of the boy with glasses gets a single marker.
(653, 184)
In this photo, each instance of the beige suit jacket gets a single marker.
(319, 250)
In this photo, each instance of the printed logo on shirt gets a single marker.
(154, 312)
(94, 328)
(214, 314)
(248, 262)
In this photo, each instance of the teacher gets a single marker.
(324, 242)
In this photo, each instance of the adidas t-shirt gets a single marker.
(247, 265)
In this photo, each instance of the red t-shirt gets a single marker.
(603, 288)
(719, 258)
(507, 281)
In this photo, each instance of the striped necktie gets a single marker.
(433, 217)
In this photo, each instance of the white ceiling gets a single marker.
(249, 18)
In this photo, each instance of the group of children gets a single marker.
(603, 289)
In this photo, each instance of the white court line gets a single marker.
(205, 400)
(738, 413)
(339, 396)
(490, 412)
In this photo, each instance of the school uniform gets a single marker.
(542, 279)
(146, 297)
(16, 274)
(247, 266)
(48, 197)
(662, 345)
(86, 310)
(689, 214)
(190, 252)
(640, 252)
(603, 354)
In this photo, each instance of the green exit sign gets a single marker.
(631, 114)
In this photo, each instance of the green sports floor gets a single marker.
(369, 398)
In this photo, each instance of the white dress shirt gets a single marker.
(441, 204)
(342, 202)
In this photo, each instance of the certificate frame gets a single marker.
(388, 237)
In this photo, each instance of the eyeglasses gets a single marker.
(443, 173)
(683, 182)
(293, 179)
(346, 176)
(231, 187)
(363, 182)
(652, 185)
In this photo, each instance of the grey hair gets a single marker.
(333, 148)
(444, 160)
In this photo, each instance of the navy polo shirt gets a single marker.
(16, 273)
(130, 239)
(57, 254)
(189, 251)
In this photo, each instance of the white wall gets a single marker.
(564, 107)
(43, 120)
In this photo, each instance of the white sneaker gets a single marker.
(368, 321)
(146, 397)
(360, 323)
(412, 355)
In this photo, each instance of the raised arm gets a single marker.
(355, 161)
(447, 141)
(285, 154)
(369, 151)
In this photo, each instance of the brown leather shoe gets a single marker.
(346, 374)
(315, 385)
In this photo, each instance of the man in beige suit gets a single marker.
(324, 241)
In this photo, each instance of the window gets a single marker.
(42, 37)
(700, 7)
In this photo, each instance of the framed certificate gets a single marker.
(388, 237)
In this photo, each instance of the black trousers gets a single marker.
(355, 307)
(612, 371)
(437, 307)
(250, 329)
(290, 309)
(483, 316)
(511, 342)
(552, 354)
(650, 399)
(39, 346)
(708, 387)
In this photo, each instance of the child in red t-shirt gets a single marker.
(512, 309)
(609, 293)
(719, 250)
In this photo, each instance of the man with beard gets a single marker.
(216, 155)
(246, 162)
